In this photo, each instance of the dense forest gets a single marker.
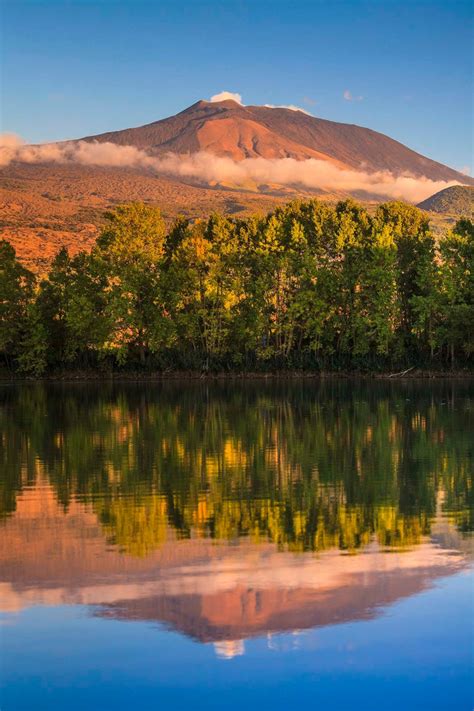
(309, 286)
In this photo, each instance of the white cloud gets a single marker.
(349, 97)
(233, 96)
(466, 170)
(291, 107)
(208, 167)
(226, 96)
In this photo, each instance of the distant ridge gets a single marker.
(456, 200)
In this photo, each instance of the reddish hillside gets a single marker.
(45, 207)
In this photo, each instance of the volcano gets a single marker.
(48, 203)
(231, 130)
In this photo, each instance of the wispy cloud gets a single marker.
(226, 96)
(207, 167)
(309, 101)
(348, 96)
(291, 107)
(234, 96)
(466, 170)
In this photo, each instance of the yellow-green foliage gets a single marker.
(308, 286)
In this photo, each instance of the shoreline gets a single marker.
(166, 376)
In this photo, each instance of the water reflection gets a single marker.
(233, 511)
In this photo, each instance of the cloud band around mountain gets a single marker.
(207, 168)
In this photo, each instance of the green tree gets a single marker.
(456, 291)
(132, 250)
(204, 288)
(51, 301)
(415, 255)
(16, 290)
(33, 344)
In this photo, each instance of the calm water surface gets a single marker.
(237, 546)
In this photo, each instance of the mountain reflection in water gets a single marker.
(233, 511)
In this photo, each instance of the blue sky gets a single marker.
(71, 68)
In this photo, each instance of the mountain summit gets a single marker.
(229, 129)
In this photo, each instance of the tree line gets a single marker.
(308, 286)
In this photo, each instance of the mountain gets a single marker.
(457, 200)
(227, 128)
(45, 205)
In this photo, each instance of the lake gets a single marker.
(237, 545)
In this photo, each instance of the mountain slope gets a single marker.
(228, 129)
(45, 207)
(456, 200)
